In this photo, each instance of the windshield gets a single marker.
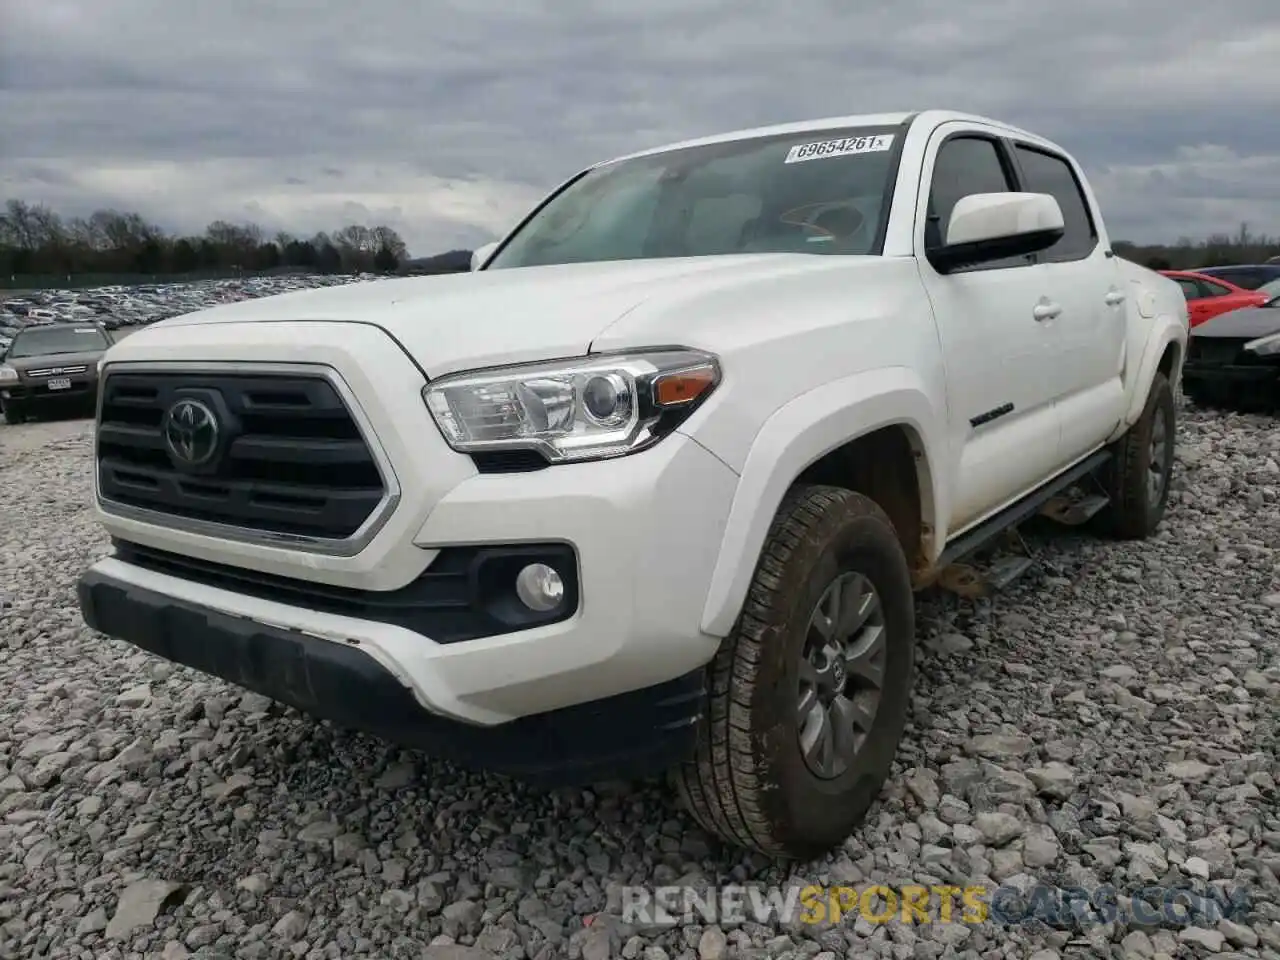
(34, 342)
(820, 192)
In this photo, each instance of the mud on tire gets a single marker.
(749, 781)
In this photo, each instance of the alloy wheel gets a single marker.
(841, 675)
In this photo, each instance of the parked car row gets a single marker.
(1233, 355)
(51, 340)
(126, 306)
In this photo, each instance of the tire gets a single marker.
(1137, 503)
(13, 416)
(748, 781)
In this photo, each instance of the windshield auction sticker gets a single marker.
(843, 147)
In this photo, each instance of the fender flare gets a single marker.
(797, 435)
(1164, 330)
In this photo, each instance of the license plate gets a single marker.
(60, 383)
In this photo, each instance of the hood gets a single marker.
(1247, 323)
(452, 322)
(51, 365)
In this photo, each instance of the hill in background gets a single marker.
(451, 261)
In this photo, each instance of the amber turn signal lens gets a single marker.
(672, 389)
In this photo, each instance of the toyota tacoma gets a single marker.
(653, 487)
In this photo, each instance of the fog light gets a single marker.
(539, 587)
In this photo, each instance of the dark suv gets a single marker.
(51, 364)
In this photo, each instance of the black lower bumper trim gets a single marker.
(632, 735)
(30, 400)
(465, 594)
(34, 394)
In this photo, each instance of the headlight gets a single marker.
(8, 374)
(1268, 346)
(583, 409)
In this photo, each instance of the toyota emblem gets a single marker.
(191, 432)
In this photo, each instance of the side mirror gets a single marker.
(480, 254)
(992, 226)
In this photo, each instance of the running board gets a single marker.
(1011, 516)
(971, 582)
(1075, 512)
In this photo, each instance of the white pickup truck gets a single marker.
(653, 487)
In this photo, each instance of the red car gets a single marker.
(1207, 297)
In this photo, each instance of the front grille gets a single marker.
(1215, 351)
(56, 371)
(289, 458)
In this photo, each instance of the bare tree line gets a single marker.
(1216, 250)
(35, 239)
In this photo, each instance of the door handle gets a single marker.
(1044, 310)
(1114, 298)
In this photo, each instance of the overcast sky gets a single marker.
(446, 119)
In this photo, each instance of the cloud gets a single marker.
(448, 119)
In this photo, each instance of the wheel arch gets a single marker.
(878, 433)
(889, 465)
(1170, 363)
(1158, 333)
(1164, 352)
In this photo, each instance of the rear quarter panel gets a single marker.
(1157, 317)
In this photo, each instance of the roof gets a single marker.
(800, 127)
(1268, 265)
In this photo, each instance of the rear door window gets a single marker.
(1045, 172)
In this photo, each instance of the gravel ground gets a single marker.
(1111, 721)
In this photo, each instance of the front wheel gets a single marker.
(1137, 478)
(12, 415)
(809, 693)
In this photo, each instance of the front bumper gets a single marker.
(1217, 364)
(1259, 374)
(645, 531)
(354, 686)
(28, 393)
(1247, 384)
